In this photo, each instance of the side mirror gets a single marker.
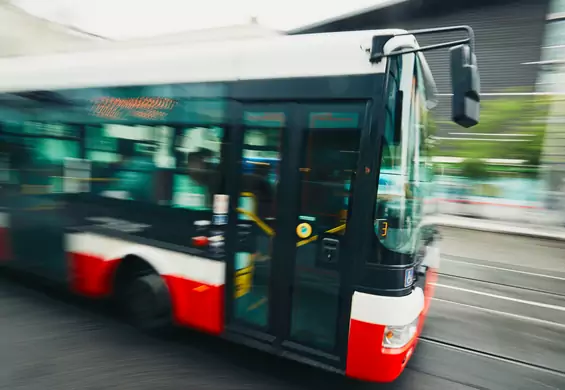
(466, 86)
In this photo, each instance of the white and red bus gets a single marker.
(233, 187)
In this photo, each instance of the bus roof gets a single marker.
(285, 56)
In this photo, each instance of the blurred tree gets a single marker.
(431, 130)
(474, 168)
(523, 118)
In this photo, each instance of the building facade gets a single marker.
(509, 36)
(551, 81)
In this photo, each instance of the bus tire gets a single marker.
(145, 303)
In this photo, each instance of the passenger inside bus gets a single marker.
(127, 177)
(257, 183)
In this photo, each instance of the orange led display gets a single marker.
(383, 227)
(140, 107)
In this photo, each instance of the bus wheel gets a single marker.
(145, 303)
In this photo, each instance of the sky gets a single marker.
(124, 19)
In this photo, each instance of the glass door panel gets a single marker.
(257, 210)
(328, 168)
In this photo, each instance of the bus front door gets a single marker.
(297, 170)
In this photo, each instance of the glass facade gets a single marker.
(553, 50)
(552, 80)
(556, 7)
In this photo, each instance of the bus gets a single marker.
(235, 187)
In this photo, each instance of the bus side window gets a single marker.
(36, 152)
(198, 175)
(175, 166)
(124, 159)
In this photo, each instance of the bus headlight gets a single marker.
(399, 336)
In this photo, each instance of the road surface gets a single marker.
(504, 296)
(496, 323)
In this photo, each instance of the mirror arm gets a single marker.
(380, 56)
(467, 29)
(377, 49)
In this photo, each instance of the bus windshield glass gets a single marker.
(401, 188)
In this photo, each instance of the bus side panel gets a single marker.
(196, 304)
(31, 235)
(196, 284)
(91, 275)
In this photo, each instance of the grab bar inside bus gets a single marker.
(270, 232)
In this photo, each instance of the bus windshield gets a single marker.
(401, 188)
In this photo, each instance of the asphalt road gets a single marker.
(497, 322)
(505, 297)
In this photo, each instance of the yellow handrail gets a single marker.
(249, 194)
(267, 229)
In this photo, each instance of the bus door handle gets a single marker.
(330, 251)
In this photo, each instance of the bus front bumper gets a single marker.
(378, 352)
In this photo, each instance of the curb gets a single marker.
(531, 232)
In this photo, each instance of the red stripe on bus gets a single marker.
(194, 304)
(197, 305)
(90, 275)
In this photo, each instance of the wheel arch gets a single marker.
(134, 261)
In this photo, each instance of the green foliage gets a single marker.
(431, 126)
(473, 168)
(523, 118)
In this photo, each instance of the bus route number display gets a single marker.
(382, 227)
